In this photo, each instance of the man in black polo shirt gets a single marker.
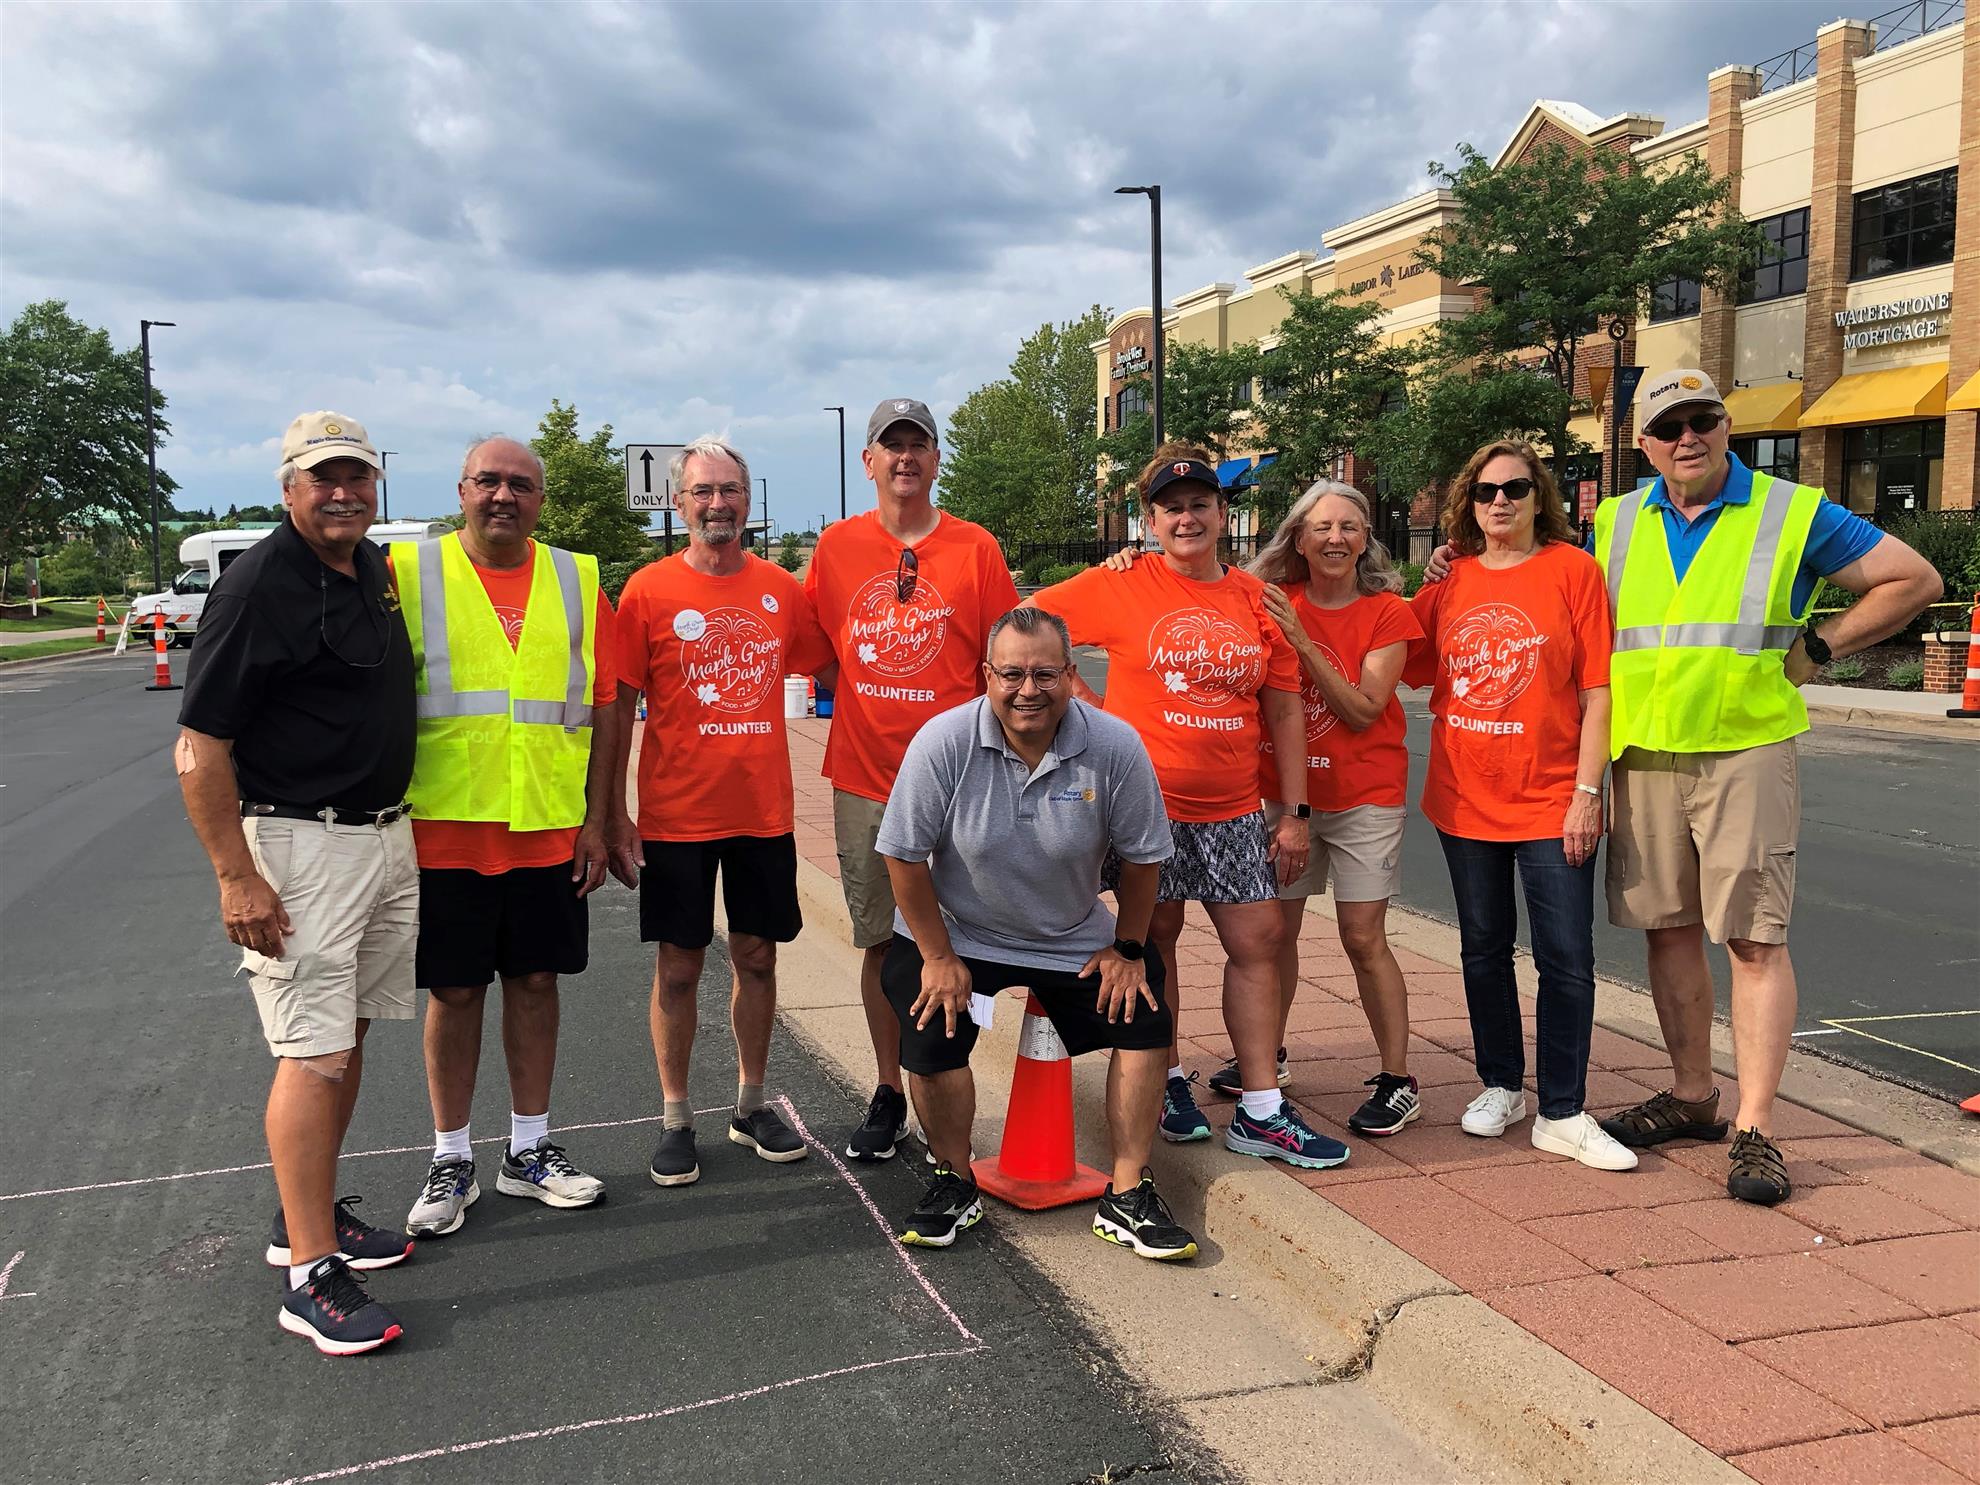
(294, 753)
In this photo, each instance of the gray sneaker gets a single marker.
(443, 1202)
(762, 1131)
(544, 1173)
(673, 1161)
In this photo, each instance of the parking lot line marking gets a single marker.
(1907, 1016)
(623, 1419)
(7, 1275)
(879, 1220)
(234, 1170)
(1914, 1051)
(1825, 1031)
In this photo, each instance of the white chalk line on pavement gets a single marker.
(234, 1170)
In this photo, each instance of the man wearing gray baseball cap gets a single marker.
(907, 594)
(1712, 570)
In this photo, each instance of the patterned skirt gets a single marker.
(1215, 861)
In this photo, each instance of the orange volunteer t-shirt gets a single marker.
(489, 846)
(1505, 654)
(711, 654)
(1185, 663)
(901, 663)
(1345, 768)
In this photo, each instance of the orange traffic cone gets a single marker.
(1972, 1105)
(102, 618)
(1969, 699)
(162, 680)
(1036, 1167)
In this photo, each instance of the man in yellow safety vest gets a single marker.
(511, 794)
(1712, 570)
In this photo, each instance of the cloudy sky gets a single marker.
(722, 217)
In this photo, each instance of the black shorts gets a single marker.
(759, 889)
(525, 921)
(1067, 998)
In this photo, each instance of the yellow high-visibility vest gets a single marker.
(1698, 665)
(504, 731)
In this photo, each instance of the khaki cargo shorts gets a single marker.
(862, 871)
(1359, 847)
(1706, 838)
(352, 896)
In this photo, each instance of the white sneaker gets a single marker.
(1492, 1110)
(544, 1173)
(1581, 1138)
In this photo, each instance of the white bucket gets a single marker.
(796, 695)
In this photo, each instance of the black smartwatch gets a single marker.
(1127, 948)
(1815, 647)
(1303, 811)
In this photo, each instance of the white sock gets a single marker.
(299, 1272)
(452, 1144)
(526, 1129)
(1176, 1071)
(1262, 1105)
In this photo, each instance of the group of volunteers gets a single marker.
(409, 770)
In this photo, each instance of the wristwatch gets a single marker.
(1815, 647)
(1127, 948)
(1303, 811)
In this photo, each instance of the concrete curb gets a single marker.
(64, 658)
(1882, 721)
(1492, 1398)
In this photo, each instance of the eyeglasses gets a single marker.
(1484, 492)
(907, 572)
(1670, 430)
(1044, 677)
(702, 494)
(520, 486)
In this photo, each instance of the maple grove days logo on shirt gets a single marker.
(734, 662)
(892, 638)
(1204, 658)
(1493, 653)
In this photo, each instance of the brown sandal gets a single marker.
(1663, 1116)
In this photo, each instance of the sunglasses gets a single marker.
(907, 572)
(1484, 492)
(1670, 430)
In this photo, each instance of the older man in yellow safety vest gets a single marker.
(1712, 570)
(512, 792)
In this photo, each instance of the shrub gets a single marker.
(789, 556)
(1034, 571)
(1412, 576)
(1909, 676)
(613, 576)
(1850, 669)
(1059, 572)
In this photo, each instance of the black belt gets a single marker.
(328, 814)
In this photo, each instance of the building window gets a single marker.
(1132, 400)
(1907, 224)
(1269, 384)
(1778, 454)
(1783, 266)
(1894, 467)
(1673, 299)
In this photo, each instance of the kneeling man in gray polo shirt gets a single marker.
(1004, 811)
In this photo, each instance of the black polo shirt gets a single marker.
(309, 673)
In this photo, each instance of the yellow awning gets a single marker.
(1967, 398)
(1771, 409)
(1880, 397)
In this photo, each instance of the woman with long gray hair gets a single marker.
(1331, 588)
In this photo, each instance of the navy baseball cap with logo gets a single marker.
(1178, 472)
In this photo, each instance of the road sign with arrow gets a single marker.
(646, 475)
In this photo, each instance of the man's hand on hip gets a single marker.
(945, 989)
(253, 914)
(1800, 669)
(1122, 983)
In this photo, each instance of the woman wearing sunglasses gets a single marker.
(1517, 656)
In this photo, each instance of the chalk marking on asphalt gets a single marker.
(623, 1419)
(1907, 1016)
(879, 1220)
(1827, 1031)
(7, 1275)
(235, 1170)
(1914, 1051)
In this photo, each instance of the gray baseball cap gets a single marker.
(894, 410)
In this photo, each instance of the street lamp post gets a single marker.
(385, 483)
(1154, 195)
(842, 459)
(766, 509)
(151, 445)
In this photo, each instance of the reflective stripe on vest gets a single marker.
(1752, 633)
(442, 700)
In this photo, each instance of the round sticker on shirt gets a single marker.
(769, 603)
(690, 624)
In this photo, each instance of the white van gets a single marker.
(207, 554)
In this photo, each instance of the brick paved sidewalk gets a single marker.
(1836, 1336)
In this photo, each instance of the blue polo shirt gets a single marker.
(1837, 538)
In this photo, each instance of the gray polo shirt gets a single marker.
(1015, 852)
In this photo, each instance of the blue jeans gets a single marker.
(1560, 908)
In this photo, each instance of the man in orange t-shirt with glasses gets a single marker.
(907, 595)
(709, 636)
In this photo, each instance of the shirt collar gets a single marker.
(1069, 741)
(1738, 489)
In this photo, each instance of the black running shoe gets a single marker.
(1393, 1104)
(1227, 1080)
(885, 1126)
(1141, 1220)
(949, 1206)
(333, 1312)
(772, 1139)
(673, 1160)
(362, 1245)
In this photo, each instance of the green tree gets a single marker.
(1447, 411)
(790, 556)
(72, 437)
(1206, 399)
(585, 480)
(1561, 243)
